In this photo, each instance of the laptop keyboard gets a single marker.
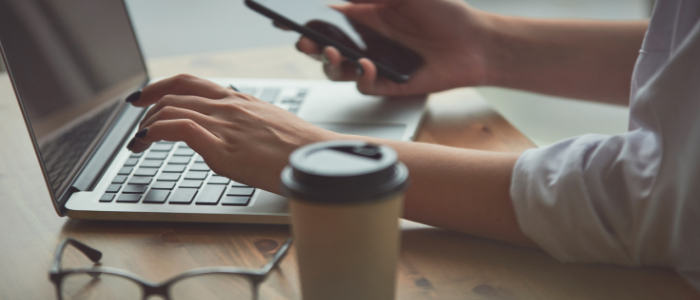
(171, 173)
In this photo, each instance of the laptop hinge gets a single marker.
(108, 148)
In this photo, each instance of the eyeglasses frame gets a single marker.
(57, 273)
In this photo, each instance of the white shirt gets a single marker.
(634, 198)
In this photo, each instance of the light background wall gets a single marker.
(173, 27)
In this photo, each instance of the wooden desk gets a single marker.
(435, 263)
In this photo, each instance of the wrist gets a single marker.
(497, 49)
(483, 54)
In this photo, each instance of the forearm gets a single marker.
(590, 60)
(460, 189)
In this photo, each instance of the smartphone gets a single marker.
(329, 27)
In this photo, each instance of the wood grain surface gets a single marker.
(434, 263)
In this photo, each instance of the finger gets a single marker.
(182, 84)
(309, 47)
(367, 82)
(280, 26)
(191, 132)
(202, 105)
(173, 113)
(333, 63)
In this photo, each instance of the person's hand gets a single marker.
(447, 33)
(238, 135)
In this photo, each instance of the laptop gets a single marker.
(73, 62)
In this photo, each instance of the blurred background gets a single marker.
(168, 28)
(174, 27)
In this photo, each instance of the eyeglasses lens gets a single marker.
(212, 286)
(84, 286)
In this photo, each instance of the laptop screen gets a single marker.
(72, 62)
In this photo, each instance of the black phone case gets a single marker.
(325, 41)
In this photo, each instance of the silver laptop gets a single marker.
(72, 64)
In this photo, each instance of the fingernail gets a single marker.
(141, 134)
(130, 144)
(359, 70)
(135, 96)
(297, 46)
(325, 59)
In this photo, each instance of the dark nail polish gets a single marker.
(135, 96)
(297, 46)
(131, 144)
(360, 70)
(141, 134)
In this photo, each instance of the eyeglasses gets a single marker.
(202, 283)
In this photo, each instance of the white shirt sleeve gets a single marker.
(631, 199)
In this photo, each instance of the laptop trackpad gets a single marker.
(382, 131)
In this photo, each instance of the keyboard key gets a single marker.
(210, 194)
(163, 185)
(135, 188)
(179, 160)
(119, 179)
(240, 191)
(235, 183)
(157, 155)
(218, 180)
(140, 180)
(156, 196)
(107, 197)
(135, 155)
(169, 177)
(174, 168)
(184, 152)
(183, 146)
(125, 170)
(199, 167)
(182, 196)
(165, 143)
(113, 188)
(292, 100)
(199, 159)
(235, 200)
(129, 198)
(153, 163)
(191, 183)
(269, 95)
(146, 172)
(161, 147)
(196, 175)
(247, 90)
(131, 162)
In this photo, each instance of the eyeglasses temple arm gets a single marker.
(281, 253)
(93, 254)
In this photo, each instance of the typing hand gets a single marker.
(238, 135)
(447, 33)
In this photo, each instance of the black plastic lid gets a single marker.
(343, 172)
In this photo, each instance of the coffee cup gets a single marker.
(346, 198)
